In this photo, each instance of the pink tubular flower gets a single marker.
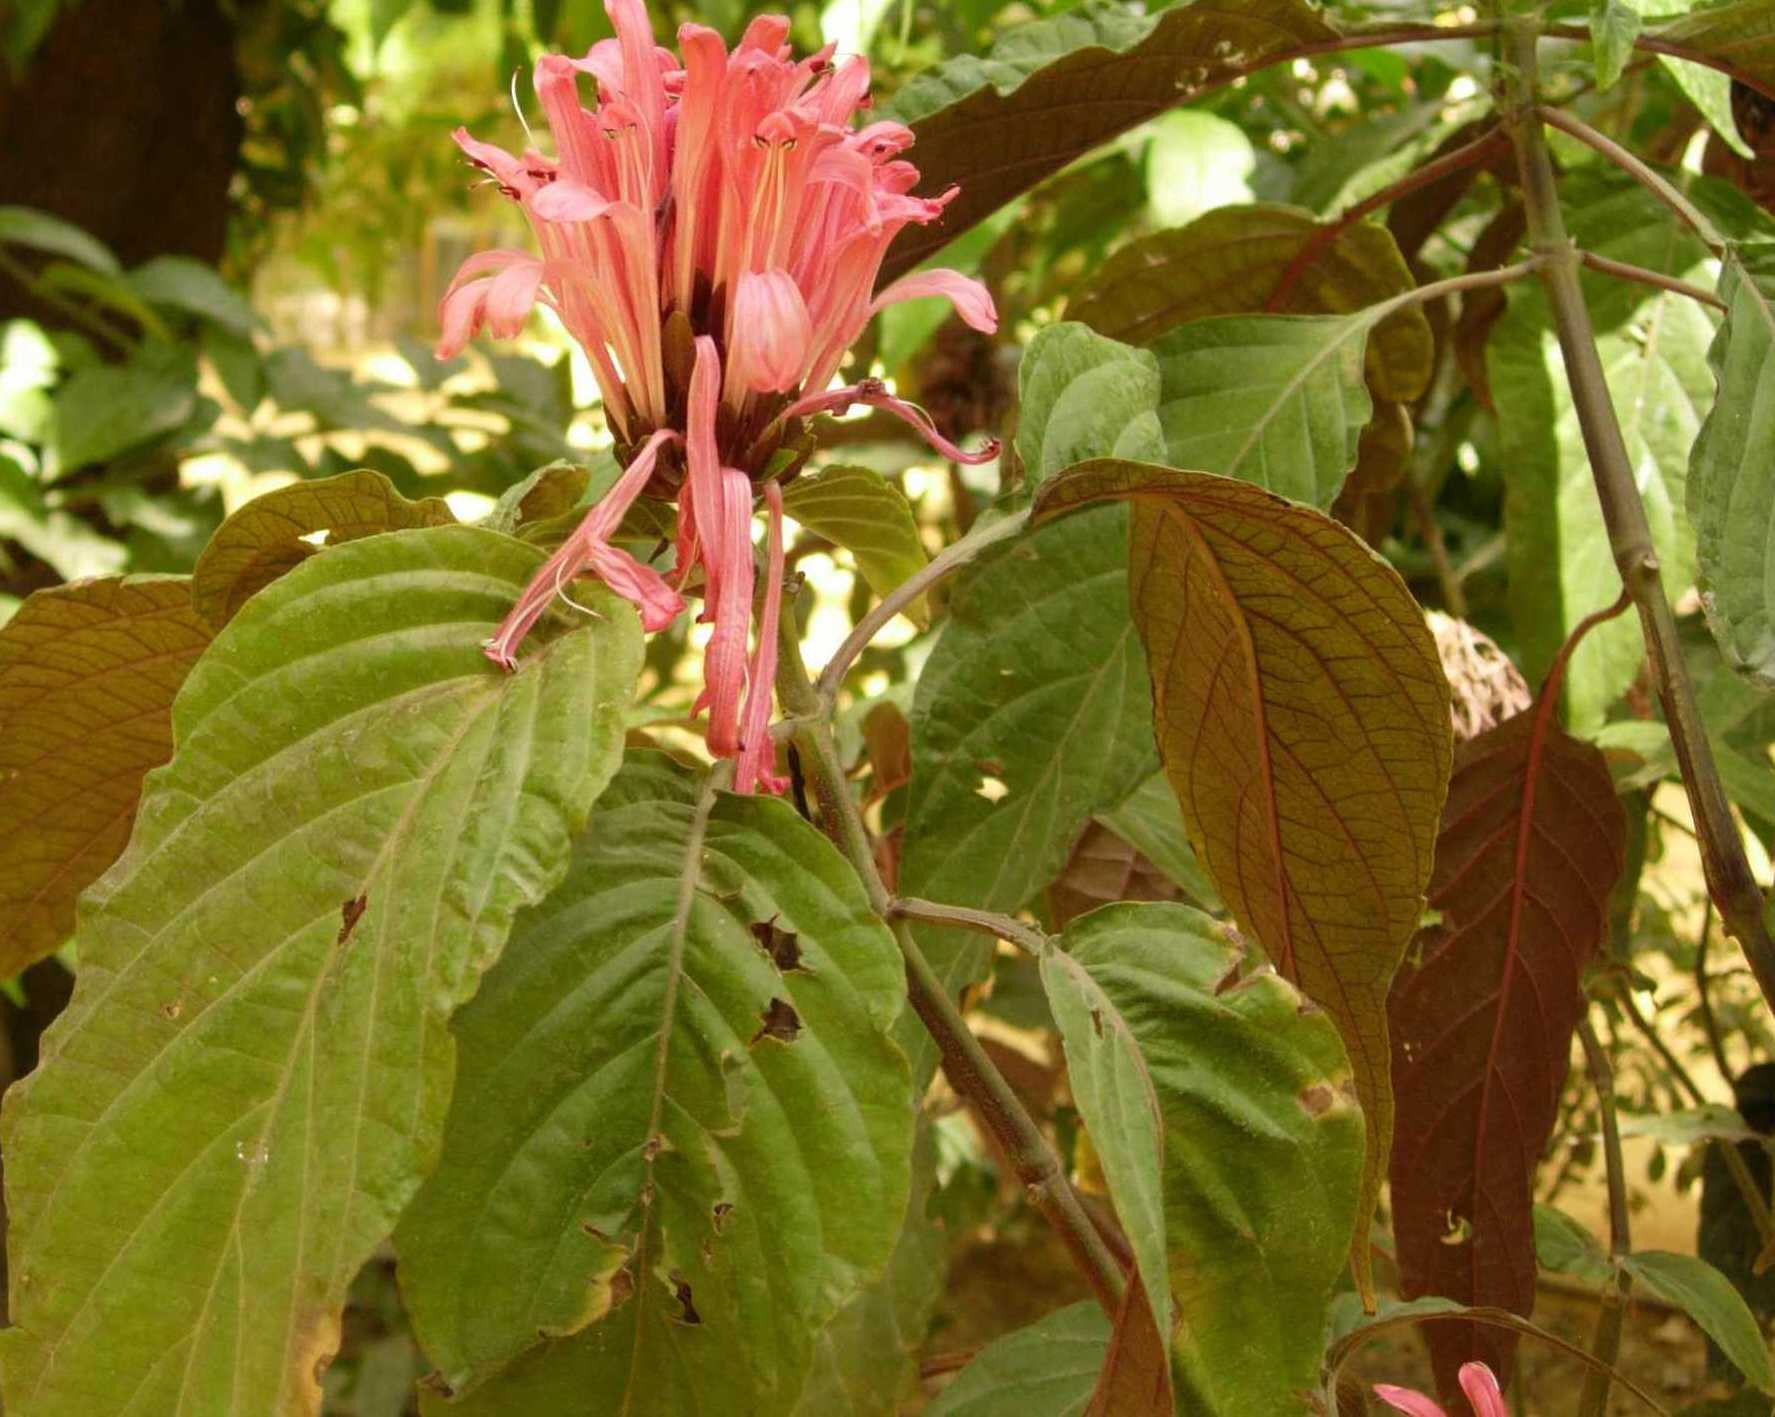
(1477, 1382)
(710, 234)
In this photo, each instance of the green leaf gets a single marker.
(252, 1077)
(551, 491)
(87, 678)
(65, 543)
(1262, 1144)
(1045, 1370)
(1706, 1296)
(189, 286)
(1032, 713)
(384, 16)
(237, 364)
(1302, 715)
(1688, 1126)
(1737, 38)
(1109, 1081)
(1614, 25)
(682, 1134)
(39, 231)
(1233, 262)
(1277, 400)
(867, 1359)
(107, 409)
(860, 510)
(1050, 91)
(273, 534)
(1709, 89)
(1731, 488)
(1566, 1247)
(1150, 818)
(1082, 396)
(1653, 348)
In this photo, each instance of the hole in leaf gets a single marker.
(1459, 1231)
(783, 946)
(993, 789)
(349, 914)
(687, 1306)
(1097, 1021)
(781, 1022)
(622, 1288)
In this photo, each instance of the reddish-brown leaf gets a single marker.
(1136, 1376)
(1483, 1012)
(88, 672)
(1104, 867)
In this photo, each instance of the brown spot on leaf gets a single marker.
(1316, 1100)
(349, 914)
(1097, 1021)
(720, 1214)
(172, 1010)
(622, 1288)
(652, 1147)
(687, 1306)
(783, 946)
(781, 1022)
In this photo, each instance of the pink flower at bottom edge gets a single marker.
(1477, 1382)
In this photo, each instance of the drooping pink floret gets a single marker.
(710, 233)
(1477, 1381)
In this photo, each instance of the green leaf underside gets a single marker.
(87, 678)
(1082, 395)
(859, 509)
(1038, 684)
(1731, 489)
(1706, 1296)
(41, 231)
(1737, 37)
(1232, 261)
(252, 1077)
(1051, 90)
(1302, 715)
(1566, 1247)
(1653, 348)
(1045, 1370)
(1483, 1011)
(269, 534)
(683, 1133)
(1262, 1143)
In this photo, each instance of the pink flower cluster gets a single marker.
(710, 234)
(1477, 1381)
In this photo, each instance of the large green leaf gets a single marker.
(1731, 488)
(1707, 1296)
(40, 231)
(1653, 346)
(87, 677)
(253, 1075)
(107, 409)
(859, 509)
(1045, 1370)
(1276, 400)
(1262, 1143)
(683, 1134)
(1233, 261)
(277, 531)
(1302, 715)
(181, 283)
(1051, 90)
(1033, 712)
(1080, 396)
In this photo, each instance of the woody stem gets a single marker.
(971, 1072)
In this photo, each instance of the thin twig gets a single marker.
(1605, 1342)
(971, 1072)
(1704, 1001)
(1637, 168)
(955, 555)
(984, 922)
(1640, 275)
(1469, 155)
(1730, 881)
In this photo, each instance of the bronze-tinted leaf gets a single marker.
(1136, 1376)
(1483, 1012)
(1105, 867)
(1737, 37)
(270, 534)
(1054, 89)
(88, 672)
(1233, 260)
(1303, 719)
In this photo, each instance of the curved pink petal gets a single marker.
(758, 754)
(1412, 1404)
(570, 201)
(615, 503)
(460, 315)
(727, 562)
(772, 335)
(510, 297)
(875, 393)
(1481, 1386)
(483, 262)
(641, 585)
(699, 433)
(511, 174)
(972, 300)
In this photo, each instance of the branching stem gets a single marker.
(985, 922)
(1729, 879)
